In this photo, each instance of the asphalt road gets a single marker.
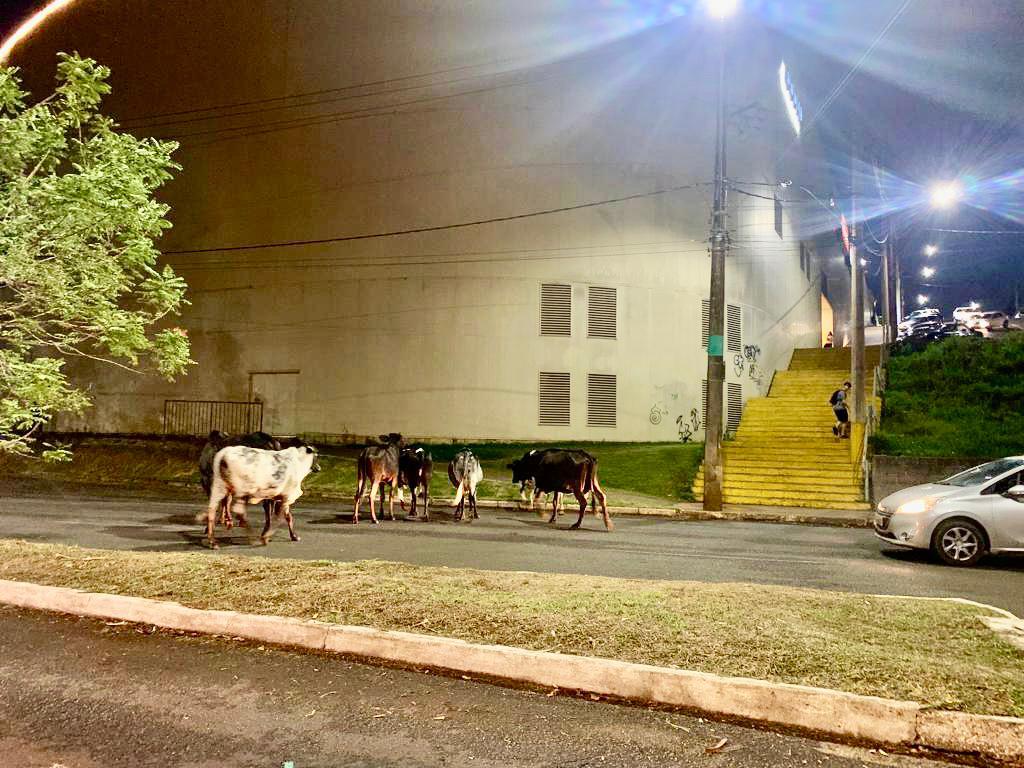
(658, 548)
(82, 693)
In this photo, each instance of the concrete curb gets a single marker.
(846, 715)
(792, 515)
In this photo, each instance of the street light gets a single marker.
(931, 250)
(921, 300)
(946, 194)
(927, 271)
(713, 468)
(722, 9)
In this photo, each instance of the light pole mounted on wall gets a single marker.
(713, 474)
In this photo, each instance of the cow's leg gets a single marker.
(238, 510)
(391, 499)
(211, 517)
(554, 507)
(426, 501)
(225, 513)
(360, 487)
(476, 515)
(581, 497)
(534, 496)
(286, 510)
(373, 495)
(596, 490)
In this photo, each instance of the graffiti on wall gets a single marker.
(752, 354)
(688, 428)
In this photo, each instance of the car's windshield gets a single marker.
(983, 473)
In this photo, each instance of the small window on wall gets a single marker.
(778, 216)
(705, 322)
(555, 309)
(553, 399)
(601, 400)
(734, 328)
(734, 396)
(601, 313)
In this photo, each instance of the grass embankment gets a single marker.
(633, 474)
(960, 397)
(934, 652)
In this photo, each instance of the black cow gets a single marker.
(378, 464)
(415, 467)
(560, 471)
(217, 440)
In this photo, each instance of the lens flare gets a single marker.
(946, 194)
(30, 25)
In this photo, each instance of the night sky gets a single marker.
(940, 97)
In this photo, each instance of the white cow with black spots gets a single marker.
(244, 475)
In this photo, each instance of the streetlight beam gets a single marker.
(946, 194)
(722, 9)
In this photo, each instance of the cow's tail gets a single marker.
(461, 490)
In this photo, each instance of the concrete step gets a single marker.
(778, 501)
(839, 493)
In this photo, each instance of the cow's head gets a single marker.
(518, 472)
(218, 436)
(393, 438)
(313, 456)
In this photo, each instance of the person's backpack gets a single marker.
(834, 399)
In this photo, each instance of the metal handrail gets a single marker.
(871, 424)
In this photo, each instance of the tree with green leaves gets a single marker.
(79, 272)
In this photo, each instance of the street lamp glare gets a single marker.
(928, 271)
(722, 9)
(921, 300)
(931, 250)
(946, 194)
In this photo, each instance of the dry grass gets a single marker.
(934, 652)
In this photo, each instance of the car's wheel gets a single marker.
(959, 542)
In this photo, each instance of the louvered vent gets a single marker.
(553, 398)
(601, 400)
(734, 328)
(734, 393)
(555, 310)
(705, 322)
(601, 313)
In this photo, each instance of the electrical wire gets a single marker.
(420, 230)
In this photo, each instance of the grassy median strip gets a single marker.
(934, 652)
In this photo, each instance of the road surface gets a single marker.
(657, 548)
(82, 693)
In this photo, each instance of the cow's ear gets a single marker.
(309, 449)
(383, 438)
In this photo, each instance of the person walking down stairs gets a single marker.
(838, 403)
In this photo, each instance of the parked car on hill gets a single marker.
(961, 518)
(963, 314)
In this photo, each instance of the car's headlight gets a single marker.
(916, 507)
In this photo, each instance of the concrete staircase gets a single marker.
(784, 453)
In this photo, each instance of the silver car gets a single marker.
(962, 517)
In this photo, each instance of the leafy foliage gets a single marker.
(78, 261)
(963, 397)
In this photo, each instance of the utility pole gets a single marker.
(898, 280)
(886, 297)
(713, 470)
(856, 306)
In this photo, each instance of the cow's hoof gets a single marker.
(296, 538)
(214, 545)
(264, 541)
(574, 527)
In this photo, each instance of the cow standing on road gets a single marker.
(214, 443)
(415, 468)
(560, 471)
(465, 473)
(378, 464)
(250, 475)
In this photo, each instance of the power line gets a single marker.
(420, 230)
(977, 231)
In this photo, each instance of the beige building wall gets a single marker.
(439, 114)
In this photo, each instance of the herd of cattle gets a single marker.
(257, 468)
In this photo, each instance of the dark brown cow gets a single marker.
(378, 464)
(415, 468)
(562, 471)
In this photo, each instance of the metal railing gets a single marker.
(200, 417)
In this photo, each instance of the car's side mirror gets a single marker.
(1016, 493)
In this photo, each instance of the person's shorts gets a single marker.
(842, 415)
